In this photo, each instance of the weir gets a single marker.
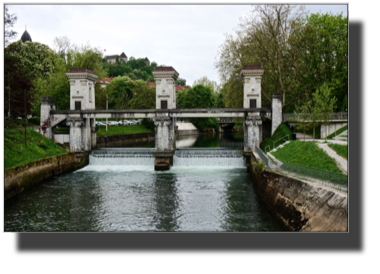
(185, 157)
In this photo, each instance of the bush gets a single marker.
(148, 123)
(34, 121)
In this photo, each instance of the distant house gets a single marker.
(112, 58)
(103, 83)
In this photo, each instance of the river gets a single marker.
(205, 190)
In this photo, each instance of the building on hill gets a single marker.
(112, 58)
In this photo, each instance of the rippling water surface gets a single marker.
(136, 198)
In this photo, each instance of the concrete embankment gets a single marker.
(20, 178)
(300, 205)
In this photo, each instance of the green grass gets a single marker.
(307, 154)
(339, 131)
(62, 129)
(280, 132)
(343, 136)
(38, 147)
(116, 130)
(342, 150)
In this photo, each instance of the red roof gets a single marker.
(81, 70)
(252, 67)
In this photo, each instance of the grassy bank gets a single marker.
(339, 131)
(307, 154)
(280, 132)
(37, 147)
(341, 150)
(116, 130)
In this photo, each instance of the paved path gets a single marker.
(341, 162)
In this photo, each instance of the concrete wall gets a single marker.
(276, 111)
(127, 138)
(301, 206)
(62, 138)
(20, 178)
(331, 128)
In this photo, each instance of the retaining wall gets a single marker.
(127, 138)
(301, 206)
(20, 178)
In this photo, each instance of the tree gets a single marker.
(304, 115)
(181, 82)
(213, 85)
(198, 96)
(144, 96)
(62, 45)
(121, 91)
(9, 21)
(324, 104)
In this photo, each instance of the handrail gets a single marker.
(280, 140)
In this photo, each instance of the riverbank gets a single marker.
(19, 178)
(300, 205)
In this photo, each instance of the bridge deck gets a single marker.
(157, 113)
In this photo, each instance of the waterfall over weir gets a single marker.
(201, 157)
(122, 156)
(184, 157)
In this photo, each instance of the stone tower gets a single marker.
(82, 97)
(165, 87)
(252, 75)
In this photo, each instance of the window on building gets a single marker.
(164, 104)
(78, 106)
(252, 103)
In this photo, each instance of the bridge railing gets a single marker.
(299, 117)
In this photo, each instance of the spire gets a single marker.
(26, 36)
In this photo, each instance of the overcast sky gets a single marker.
(186, 37)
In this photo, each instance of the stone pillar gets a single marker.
(94, 129)
(86, 134)
(276, 111)
(75, 124)
(165, 143)
(47, 104)
(165, 87)
(252, 133)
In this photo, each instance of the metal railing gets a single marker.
(319, 176)
(274, 146)
(299, 118)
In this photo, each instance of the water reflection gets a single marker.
(166, 203)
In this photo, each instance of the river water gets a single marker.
(207, 189)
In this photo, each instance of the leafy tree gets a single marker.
(62, 46)
(220, 101)
(9, 21)
(324, 104)
(121, 91)
(144, 96)
(198, 96)
(181, 82)
(322, 55)
(304, 116)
